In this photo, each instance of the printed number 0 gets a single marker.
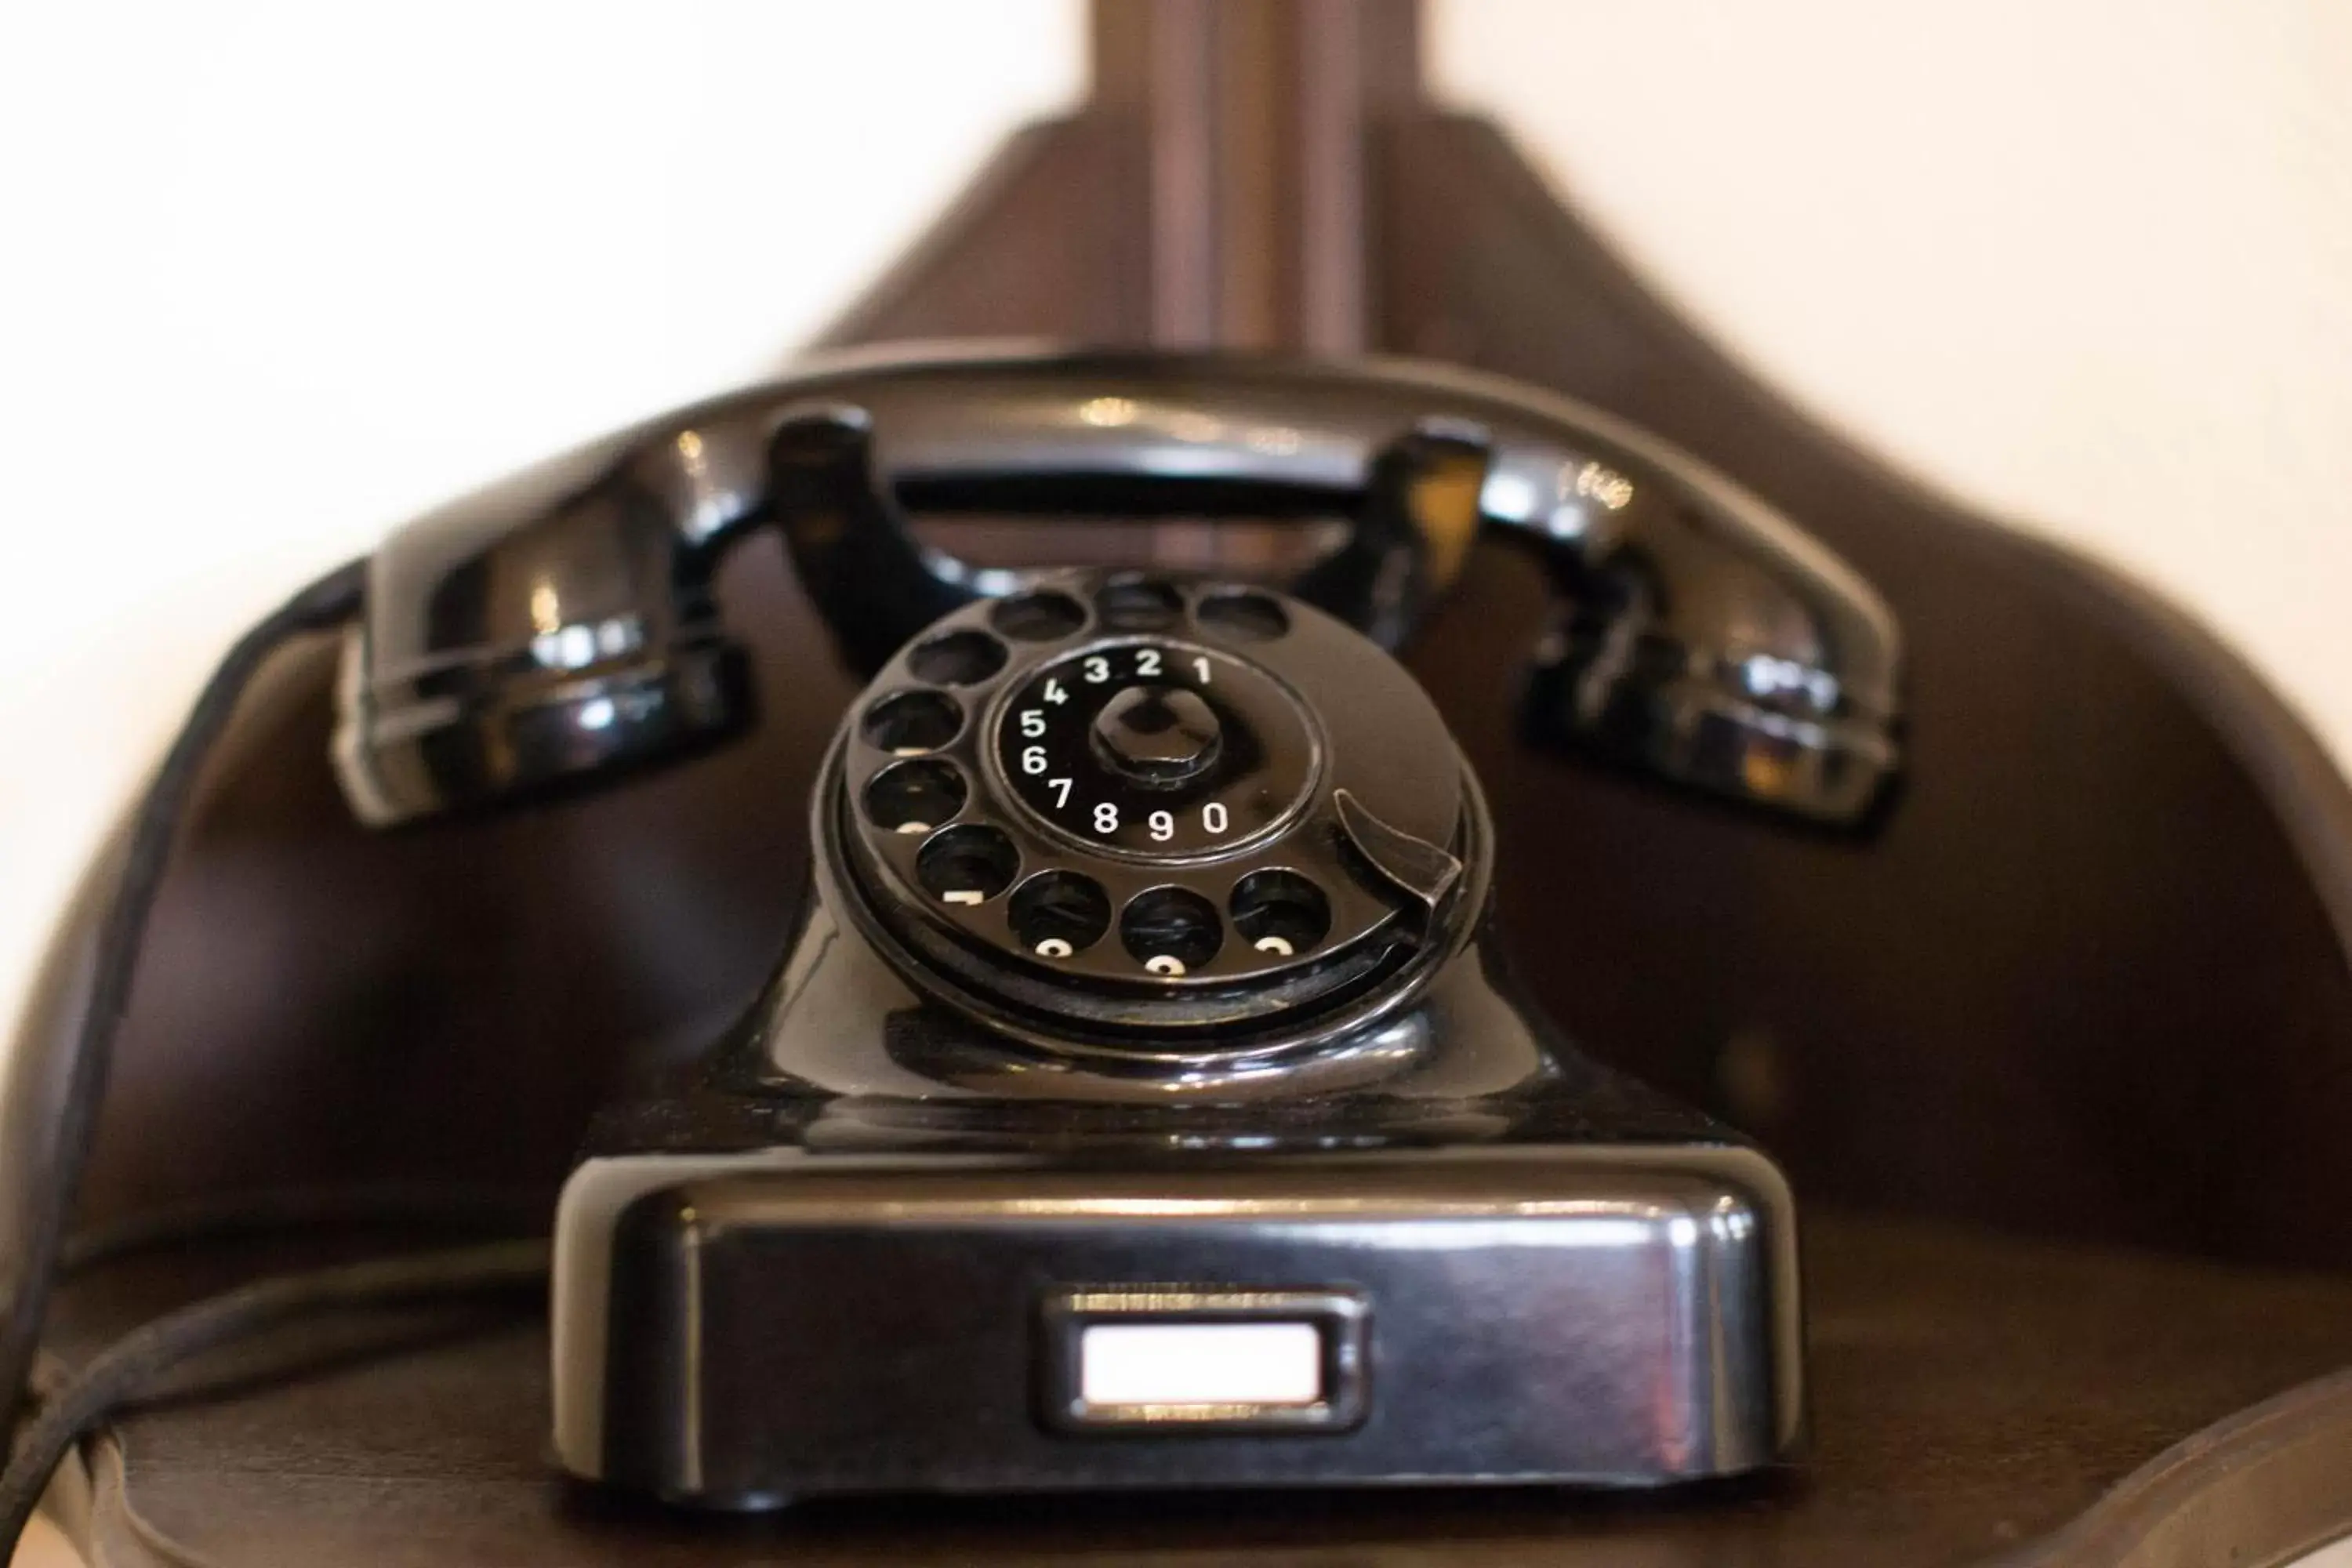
(1107, 817)
(1212, 816)
(1032, 758)
(1163, 825)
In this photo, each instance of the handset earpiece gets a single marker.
(508, 655)
(1714, 645)
(558, 630)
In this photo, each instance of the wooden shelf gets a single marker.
(1972, 1395)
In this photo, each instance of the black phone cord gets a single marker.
(327, 603)
(121, 1372)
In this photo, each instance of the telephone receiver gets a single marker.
(561, 628)
(1142, 1099)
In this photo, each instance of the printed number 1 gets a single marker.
(1202, 663)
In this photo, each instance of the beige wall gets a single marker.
(274, 276)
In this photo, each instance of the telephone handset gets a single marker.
(1142, 1099)
(562, 625)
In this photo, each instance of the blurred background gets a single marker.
(275, 276)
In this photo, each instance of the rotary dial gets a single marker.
(1156, 748)
(1142, 803)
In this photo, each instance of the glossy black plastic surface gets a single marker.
(560, 626)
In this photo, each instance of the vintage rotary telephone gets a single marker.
(1140, 1100)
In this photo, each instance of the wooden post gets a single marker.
(1255, 114)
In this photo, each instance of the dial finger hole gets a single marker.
(1037, 618)
(1171, 931)
(967, 865)
(913, 721)
(958, 658)
(1280, 913)
(915, 797)
(1259, 617)
(1138, 604)
(1059, 914)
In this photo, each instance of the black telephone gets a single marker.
(1140, 1100)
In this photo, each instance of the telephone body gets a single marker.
(1142, 1099)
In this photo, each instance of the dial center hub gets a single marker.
(1156, 748)
(1157, 734)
